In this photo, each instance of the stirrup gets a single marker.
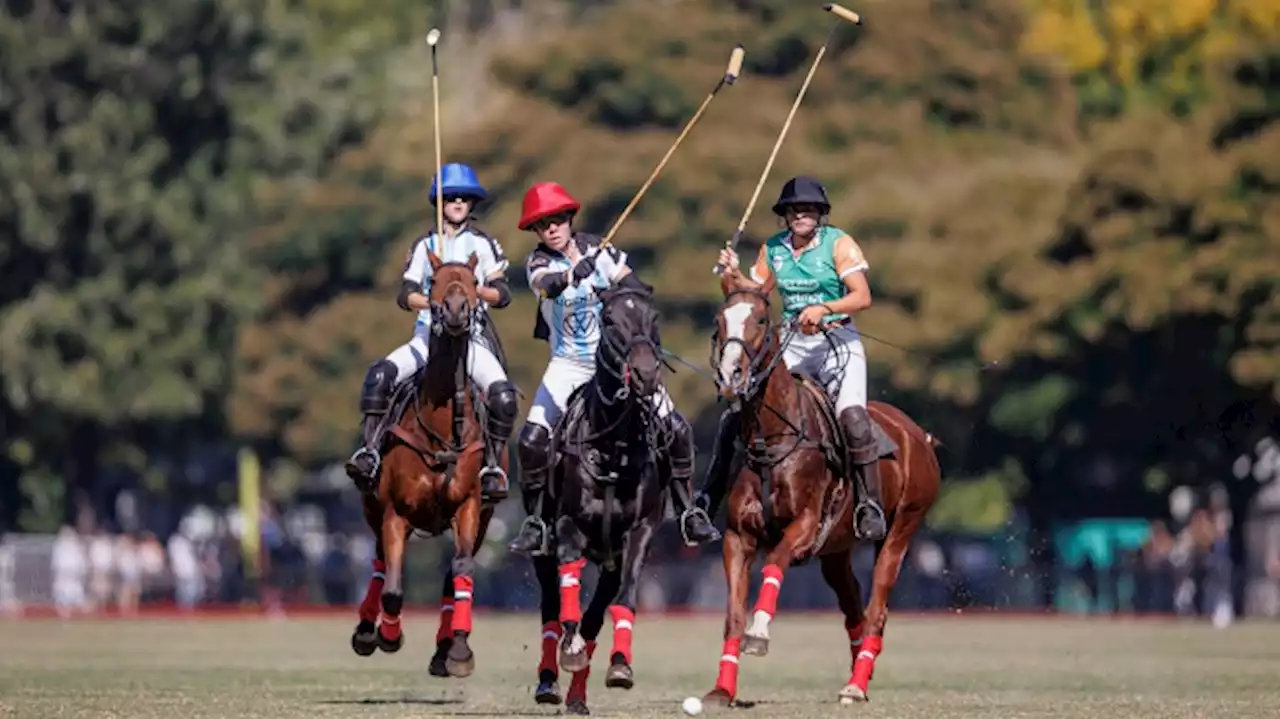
(695, 511)
(859, 511)
(491, 471)
(544, 547)
(372, 477)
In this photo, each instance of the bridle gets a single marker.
(762, 362)
(437, 309)
(614, 352)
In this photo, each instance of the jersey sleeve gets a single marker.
(491, 262)
(536, 265)
(848, 257)
(760, 272)
(416, 267)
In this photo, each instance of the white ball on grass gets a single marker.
(692, 706)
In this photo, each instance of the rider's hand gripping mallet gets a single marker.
(843, 14)
(730, 74)
(433, 39)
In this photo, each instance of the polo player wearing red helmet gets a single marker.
(567, 269)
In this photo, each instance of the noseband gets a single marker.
(760, 364)
(617, 351)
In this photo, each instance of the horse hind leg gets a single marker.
(592, 623)
(548, 691)
(444, 633)
(364, 640)
(888, 563)
(837, 570)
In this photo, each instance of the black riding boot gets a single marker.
(716, 482)
(501, 417)
(375, 402)
(696, 526)
(534, 538)
(868, 515)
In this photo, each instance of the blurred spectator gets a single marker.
(70, 570)
(187, 578)
(129, 571)
(102, 561)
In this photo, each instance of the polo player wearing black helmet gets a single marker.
(821, 277)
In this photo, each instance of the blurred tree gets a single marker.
(135, 135)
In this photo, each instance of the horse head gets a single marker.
(741, 347)
(453, 295)
(630, 349)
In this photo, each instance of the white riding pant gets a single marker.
(562, 377)
(837, 360)
(483, 366)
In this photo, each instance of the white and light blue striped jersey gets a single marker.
(570, 323)
(491, 263)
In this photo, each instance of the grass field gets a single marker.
(942, 668)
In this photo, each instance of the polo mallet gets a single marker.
(433, 39)
(730, 74)
(842, 14)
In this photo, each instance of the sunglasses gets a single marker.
(449, 199)
(804, 209)
(547, 222)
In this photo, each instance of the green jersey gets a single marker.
(817, 275)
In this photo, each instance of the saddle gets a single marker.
(569, 435)
(837, 451)
(403, 399)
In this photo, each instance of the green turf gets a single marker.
(937, 668)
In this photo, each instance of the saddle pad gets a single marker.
(885, 446)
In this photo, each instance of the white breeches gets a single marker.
(482, 366)
(562, 377)
(838, 362)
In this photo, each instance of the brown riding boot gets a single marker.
(868, 514)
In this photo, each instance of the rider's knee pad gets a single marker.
(502, 403)
(375, 396)
(534, 449)
(858, 424)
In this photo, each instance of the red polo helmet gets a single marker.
(544, 200)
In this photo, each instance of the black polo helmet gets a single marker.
(802, 191)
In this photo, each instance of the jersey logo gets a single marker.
(580, 323)
(777, 261)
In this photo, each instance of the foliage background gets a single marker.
(205, 206)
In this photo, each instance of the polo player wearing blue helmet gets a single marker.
(461, 192)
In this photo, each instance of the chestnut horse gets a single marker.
(430, 481)
(794, 500)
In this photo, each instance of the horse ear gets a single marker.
(434, 259)
(472, 261)
(727, 284)
(768, 285)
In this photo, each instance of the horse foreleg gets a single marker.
(837, 569)
(570, 543)
(739, 553)
(364, 640)
(635, 551)
(799, 536)
(461, 661)
(592, 623)
(888, 564)
(395, 530)
(548, 691)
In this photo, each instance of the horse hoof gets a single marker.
(574, 662)
(577, 707)
(620, 676)
(717, 698)
(390, 646)
(853, 694)
(547, 693)
(755, 646)
(461, 661)
(438, 668)
(364, 643)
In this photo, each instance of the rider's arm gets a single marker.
(852, 266)
(543, 280)
(411, 296)
(760, 274)
(491, 267)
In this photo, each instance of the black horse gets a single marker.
(611, 481)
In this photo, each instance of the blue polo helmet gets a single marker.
(459, 179)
